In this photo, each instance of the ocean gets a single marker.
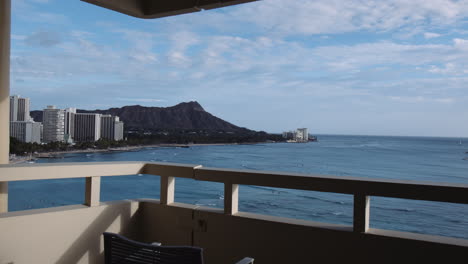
(407, 158)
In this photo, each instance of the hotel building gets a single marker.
(19, 108)
(26, 131)
(22, 127)
(87, 127)
(69, 124)
(111, 128)
(53, 124)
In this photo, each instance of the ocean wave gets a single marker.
(457, 221)
(249, 168)
(324, 200)
(272, 190)
(261, 205)
(337, 213)
(206, 204)
(395, 209)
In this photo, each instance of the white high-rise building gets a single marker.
(53, 121)
(119, 130)
(22, 127)
(69, 124)
(26, 131)
(19, 108)
(111, 127)
(302, 134)
(87, 127)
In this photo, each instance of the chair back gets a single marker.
(121, 250)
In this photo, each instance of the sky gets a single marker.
(366, 67)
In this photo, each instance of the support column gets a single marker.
(93, 191)
(167, 190)
(5, 31)
(231, 198)
(361, 213)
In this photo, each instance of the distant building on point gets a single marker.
(300, 135)
(289, 135)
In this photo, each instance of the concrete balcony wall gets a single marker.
(275, 240)
(69, 234)
(73, 234)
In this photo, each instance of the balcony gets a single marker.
(72, 234)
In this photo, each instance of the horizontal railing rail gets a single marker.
(360, 188)
(417, 190)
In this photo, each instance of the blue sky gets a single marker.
(343, 67)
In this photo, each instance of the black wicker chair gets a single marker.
(121, 250)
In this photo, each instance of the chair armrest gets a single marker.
(246, 261)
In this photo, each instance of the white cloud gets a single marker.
(430, 35)
(43, 39)
(262, 54)
(420, 99)
(336, 16)
(18, 37)
(141, 100)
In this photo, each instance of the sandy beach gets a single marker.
(14, 159)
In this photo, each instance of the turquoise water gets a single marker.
(409, 158)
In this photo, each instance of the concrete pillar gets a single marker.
(93, 191)
(361, 213)
(167, 190)
(5, 31)
(231, 198)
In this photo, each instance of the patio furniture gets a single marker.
(121, 250)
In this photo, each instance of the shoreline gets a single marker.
(58, 154)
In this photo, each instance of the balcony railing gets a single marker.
(360, 188)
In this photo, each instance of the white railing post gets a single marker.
(167, 190)
(231, 198)
(5, 31)
(93, 191)
(361, 213)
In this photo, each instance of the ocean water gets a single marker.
(408, 158)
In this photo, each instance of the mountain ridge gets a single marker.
(183, 116)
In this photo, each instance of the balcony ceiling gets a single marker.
(162, 8)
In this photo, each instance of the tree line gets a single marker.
(138, 138)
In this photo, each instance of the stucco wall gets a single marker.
(70, 234)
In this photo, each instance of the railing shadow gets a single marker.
(90, 240)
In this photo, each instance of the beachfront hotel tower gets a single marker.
(22, 126)
(53, 124)
(87, 127)
(26, 131)
(19, 108)
(69, 124)
(111, 128)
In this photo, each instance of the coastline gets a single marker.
(57, 154)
